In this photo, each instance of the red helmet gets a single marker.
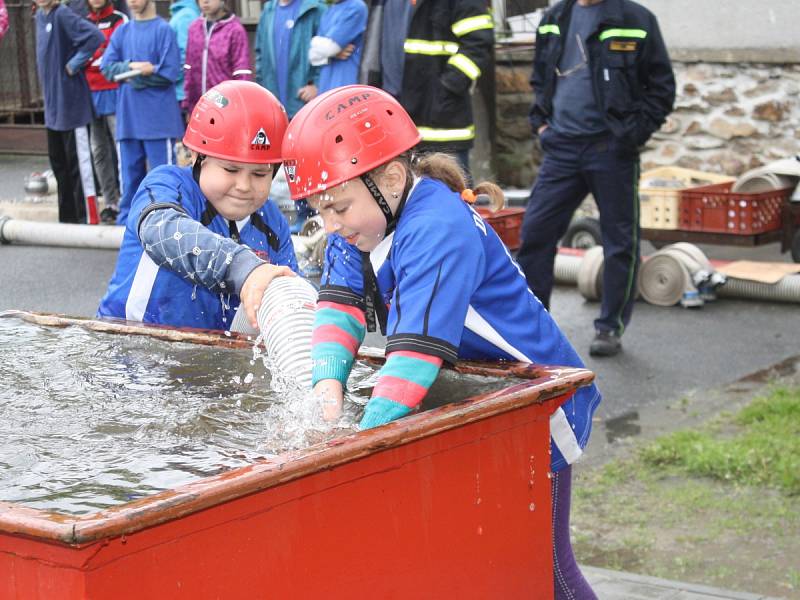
(342, 134)
(239, 121)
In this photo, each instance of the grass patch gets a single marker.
(719, 505)
(759, 446)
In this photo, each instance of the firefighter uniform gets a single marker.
(447, 47)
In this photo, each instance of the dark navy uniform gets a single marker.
(631, 88)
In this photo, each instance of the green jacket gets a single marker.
(300, 70)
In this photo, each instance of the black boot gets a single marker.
(605, 343)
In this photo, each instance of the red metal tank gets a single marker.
(450, 503)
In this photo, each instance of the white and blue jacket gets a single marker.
(181, 263)
(454, 292)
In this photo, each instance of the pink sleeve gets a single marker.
(3, 19)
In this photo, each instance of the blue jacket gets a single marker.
(64, 38)
(178, 264)
(454, 292)
(631, 72)
(300, 70)
(182, 13)
(344, 23)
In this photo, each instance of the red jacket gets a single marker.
(107, 21)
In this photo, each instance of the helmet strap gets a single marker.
(380, 200)
(196, 167)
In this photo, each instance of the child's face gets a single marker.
(138, 6)
(97, 5)
(211, 8)
(235, 189)
(350, 210)
(46, 5)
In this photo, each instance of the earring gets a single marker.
(395, 195)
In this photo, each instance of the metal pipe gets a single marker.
(37, 233)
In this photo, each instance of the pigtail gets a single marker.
(445, 168)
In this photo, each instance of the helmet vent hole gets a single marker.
(339, 139)
(205, 142)
(211, 121)
(388, 112)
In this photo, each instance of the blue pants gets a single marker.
(572, 168)
(135, 157)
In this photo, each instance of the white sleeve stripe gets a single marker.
(564, 437)
(481, 327)
(141, 288)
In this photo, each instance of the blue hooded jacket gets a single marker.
(182, 12)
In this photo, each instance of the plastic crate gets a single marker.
(507, 222)
(715, 209)
(660, 204)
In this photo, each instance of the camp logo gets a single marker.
(290, 167)
(347, 104)
(217, 98)
(260, 141)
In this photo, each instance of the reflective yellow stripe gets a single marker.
(429, 134)
(545, 29)
(433, 48)
(470, 24)
(625, 33)
(465, 65)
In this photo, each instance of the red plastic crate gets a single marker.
(716, 209)
(507, 222)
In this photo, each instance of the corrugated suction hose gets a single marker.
(286, 320)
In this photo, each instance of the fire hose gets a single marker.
(679, 273)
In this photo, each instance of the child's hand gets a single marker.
(145, 67)
(307, 92)
(346, 52)
(255, 285)
(330, 395)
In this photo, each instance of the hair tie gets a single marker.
(468, 196)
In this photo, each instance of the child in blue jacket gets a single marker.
(283, 38)
(336, 48)
(148, 116)
(407, 252)
(64, 44)
(200, 238)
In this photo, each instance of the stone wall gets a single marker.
(517, 156)
(728, 118)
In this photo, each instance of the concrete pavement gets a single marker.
(616, 585)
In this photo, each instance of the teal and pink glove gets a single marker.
(402, 384)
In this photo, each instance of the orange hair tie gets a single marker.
(468, 196)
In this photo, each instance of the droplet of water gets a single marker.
(532, 507)
(248, 378)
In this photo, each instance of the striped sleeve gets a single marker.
(402, 384)
(338, 332)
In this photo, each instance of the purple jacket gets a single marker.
(214, 54)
